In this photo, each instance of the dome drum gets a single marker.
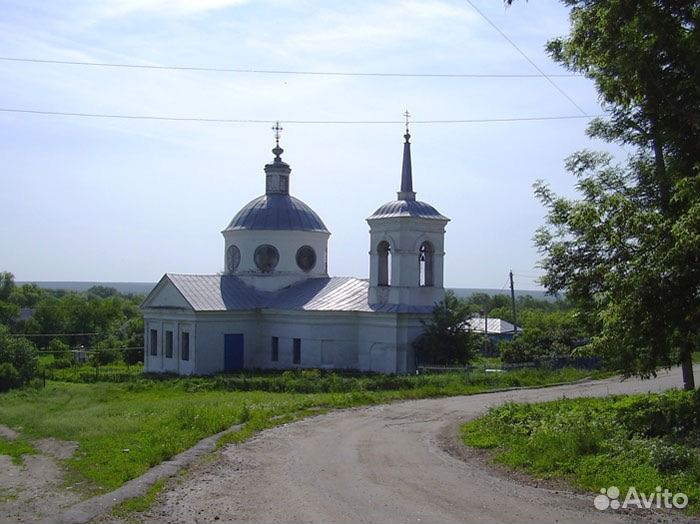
(267, 254)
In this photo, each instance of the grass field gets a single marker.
(15, 449)
(123, 429)
(643, 441)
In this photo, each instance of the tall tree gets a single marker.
(629, 250)
(7, 284)
(448, 339)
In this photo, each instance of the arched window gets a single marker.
(384, 272)
(425, 260)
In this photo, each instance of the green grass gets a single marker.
(123, 429)
(636, 440)
(16, 448)
(126, 508)
(7, 494)
(86, 373)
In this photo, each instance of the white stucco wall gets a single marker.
(177, 322)
(287, 244)
(329, 340)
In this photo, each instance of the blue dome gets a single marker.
(277, 212)
(407, 208)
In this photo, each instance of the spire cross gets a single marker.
(407, 115)
(277, 129)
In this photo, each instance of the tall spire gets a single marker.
(277, 173)
(407, 192)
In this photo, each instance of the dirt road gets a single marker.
(386, 463)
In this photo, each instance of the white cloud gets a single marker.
(377, 25)
(112, 8)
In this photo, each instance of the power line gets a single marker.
(88, 350)
(260, 121)
(51, 334)
(280, 71)
(532, 63)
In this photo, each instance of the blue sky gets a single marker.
(121, 200)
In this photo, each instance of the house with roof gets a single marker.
(275, 306)
(495, 330)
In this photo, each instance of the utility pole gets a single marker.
(512, 301)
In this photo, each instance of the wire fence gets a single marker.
(553, 363)
(88, 373)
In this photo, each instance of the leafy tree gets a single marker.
(9, 377)
(132, 332)
(18, 358)
(27, 295)
(8, 312)
(7, 284)
(58, 348)
(545, 335)
(628, 252)
(447, 338)
(50, 316)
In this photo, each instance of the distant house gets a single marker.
(25, 313)
(495, 329)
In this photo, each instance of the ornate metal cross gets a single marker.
(277, 128)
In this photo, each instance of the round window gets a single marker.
(306, 258)
(266, 258)
(233, 258)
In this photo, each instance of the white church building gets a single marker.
(275, 306)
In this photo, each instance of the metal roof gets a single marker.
(407, 208)
(494, 326)
(230, 293)
(277, 212)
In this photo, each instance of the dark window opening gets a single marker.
(275, 349)
(296, 355)
(168, 344)
(154, 342)
(233, 258)
(185, 346)
(306, 258)
(266, 258)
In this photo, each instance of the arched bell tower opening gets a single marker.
(384, 269)
(425, 262)
(407, 247)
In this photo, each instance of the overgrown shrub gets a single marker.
(668, 457)
(62, 362)
(58, 348)
(9, 377)
(21, 355)
(544, 336)
(673, 415)
(103, 356)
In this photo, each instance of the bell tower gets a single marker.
(407, 246)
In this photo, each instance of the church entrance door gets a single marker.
(233, 352)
